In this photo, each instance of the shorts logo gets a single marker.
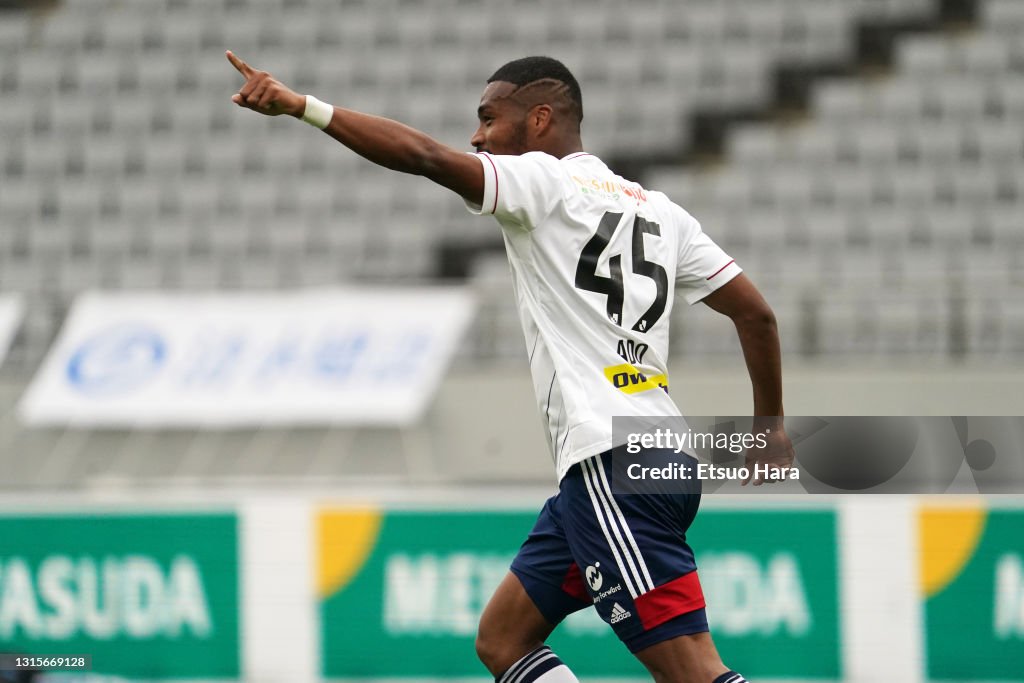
(618, 613)
(594, 578)
(604, 594)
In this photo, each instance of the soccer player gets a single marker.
(593, 257)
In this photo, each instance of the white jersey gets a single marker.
(594, 258)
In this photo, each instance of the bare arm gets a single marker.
(759, 337)
(755, 324)
(385, 142)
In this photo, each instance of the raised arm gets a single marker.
(385, 142)
(755, 324)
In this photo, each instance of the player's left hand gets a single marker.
(777, 453)
(265, 94)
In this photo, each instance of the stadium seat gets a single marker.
(180, 34)
(911, 327)
(156, 75)
(754, 145)
(19, 276)
(1008, 98)
(894, 100)
(769, 230)
(874, 144)
(1006, 16)
(1006, 225)
(984, 269)
(848, 327)
(996, 143)
(827, 230)
(911, 185)
(836, 99)
(852, 187)
(961, 99)
(38, 73)
(791, 187)
(15, 30)
(825, 28)
(984, 55)
(62, 32)
(981, 187)
(925, 56)
(898, 10)
(133, 30)
(931, 142)
(956, 227)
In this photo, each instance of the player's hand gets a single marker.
(264, 93)
(777, 454)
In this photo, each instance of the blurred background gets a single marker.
(863, 160)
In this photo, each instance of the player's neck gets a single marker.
(563, 147)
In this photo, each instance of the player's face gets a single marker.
(502, 128)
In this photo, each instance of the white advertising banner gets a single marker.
(338, 356)
(11, 309)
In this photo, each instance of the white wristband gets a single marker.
(317, 113)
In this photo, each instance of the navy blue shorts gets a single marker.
(626, 554)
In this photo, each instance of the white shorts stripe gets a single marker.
(591, 467)
(614, 522)
(604, 527)
(649, 585)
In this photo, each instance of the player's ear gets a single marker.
(540, 118)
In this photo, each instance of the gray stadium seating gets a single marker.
(126, 165)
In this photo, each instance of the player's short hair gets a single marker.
(528, 70)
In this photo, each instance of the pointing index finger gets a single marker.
(242, 67)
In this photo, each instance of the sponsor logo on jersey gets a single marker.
(610, 188)
(627, 379)
(618, 613)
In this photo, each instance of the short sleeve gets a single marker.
(522, 190)
(703, 266)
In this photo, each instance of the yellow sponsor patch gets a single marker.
(627, 379)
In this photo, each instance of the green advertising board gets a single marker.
(772, 586)
(153, 596)
(415, 582)
(972, 579)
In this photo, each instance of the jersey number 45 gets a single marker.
(612, 287)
